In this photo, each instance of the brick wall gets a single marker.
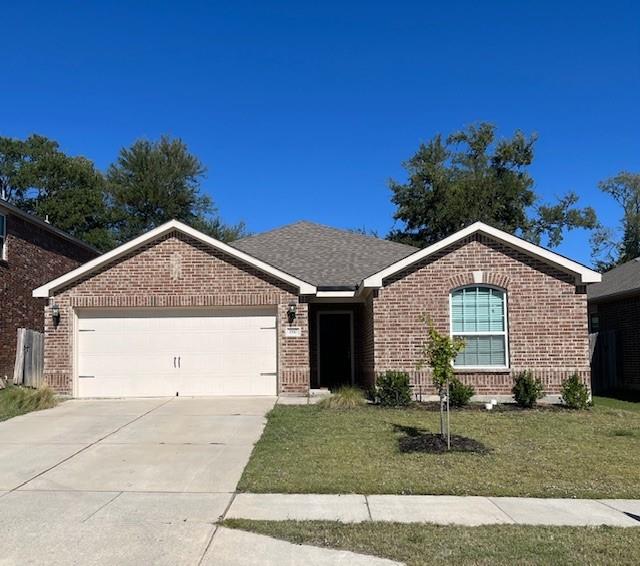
(34, 257)
(177, 271)
(368, 375)
(547, 315)
(623, 317)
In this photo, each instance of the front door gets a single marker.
(335, 358)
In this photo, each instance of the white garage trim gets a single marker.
(48, 289)
(161, 352)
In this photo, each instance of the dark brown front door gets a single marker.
(335, 349)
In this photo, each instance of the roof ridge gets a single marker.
(351, 232)
(276, 229)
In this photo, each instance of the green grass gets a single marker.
(612, 403)
(536, 453)
(16, 401)
(419, 545)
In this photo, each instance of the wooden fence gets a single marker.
(29, 358)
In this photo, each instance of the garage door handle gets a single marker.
(174, 361)
(178, 361)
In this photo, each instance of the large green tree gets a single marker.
(153, 182)
(609, 249)
(39, 178)
(471, 175)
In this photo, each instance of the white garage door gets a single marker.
(145, 353)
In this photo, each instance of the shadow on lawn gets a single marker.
(414, 439)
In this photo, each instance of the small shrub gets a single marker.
(346, 397)
(527, 389)
(393, 389)
(575, 394)
(459, 393)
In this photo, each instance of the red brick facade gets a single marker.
(206, 277)
(547, 311)
(547, 315)
(34, 255)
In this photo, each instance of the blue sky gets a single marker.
(304, 110)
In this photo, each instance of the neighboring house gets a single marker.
(614, 320)
(32, 252)
(175, 312)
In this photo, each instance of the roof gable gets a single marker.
(326, 257)
(582, 273)
(103, 260)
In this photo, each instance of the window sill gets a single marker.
(482, 369)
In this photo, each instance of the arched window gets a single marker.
(479, 317)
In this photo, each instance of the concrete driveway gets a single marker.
(136, 481)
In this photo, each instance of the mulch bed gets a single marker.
(431, 443)
(434, 406)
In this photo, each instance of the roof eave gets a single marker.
(12, 209)
(615, 296)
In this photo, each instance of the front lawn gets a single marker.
(537, 453)
(419, 545)
(16, 401)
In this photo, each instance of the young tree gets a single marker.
(439, 353)
(471, 176)
(153, 182)
(39, 178)
(608, 249)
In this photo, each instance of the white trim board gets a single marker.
(49, 288)
(584, 274)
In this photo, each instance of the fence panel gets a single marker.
(29, 364)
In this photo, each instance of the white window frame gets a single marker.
(504, 332)
(3, 252)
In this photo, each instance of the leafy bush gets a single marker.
(527, 389)
(459, 393)
(16, 400)
(347, 397)
(393, 389)
(575, 394)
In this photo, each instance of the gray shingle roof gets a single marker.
(323, 256)
(620, 280)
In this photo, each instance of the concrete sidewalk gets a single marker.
(439, 509)
(239, 548)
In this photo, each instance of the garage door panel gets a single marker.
(124, 342)
(123, 386)
(227, 352)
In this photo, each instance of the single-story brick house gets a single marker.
(175, 312)
(32, 252)
(614, 319)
